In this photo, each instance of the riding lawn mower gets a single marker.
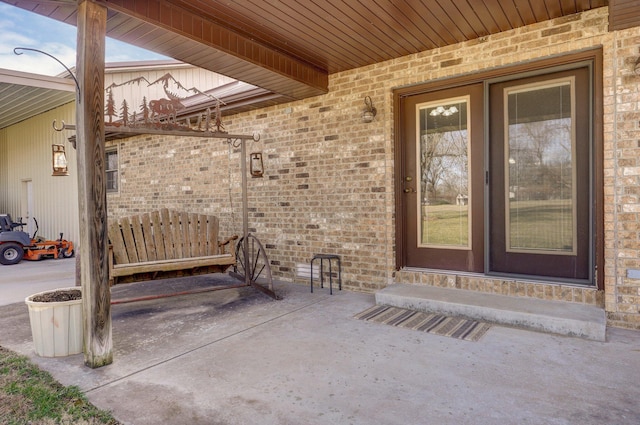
(16, 245)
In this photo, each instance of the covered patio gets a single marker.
(238, 357)
(322, 66)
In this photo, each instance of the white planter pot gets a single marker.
(56, 327)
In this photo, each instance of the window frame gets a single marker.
(108, 171)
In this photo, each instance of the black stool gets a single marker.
(328, 257)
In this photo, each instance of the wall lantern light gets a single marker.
(369, 112)
(636, 68)
(256, 167)
(59, 159)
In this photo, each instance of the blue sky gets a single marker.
(19, 28)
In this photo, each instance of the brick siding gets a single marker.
(328, 185)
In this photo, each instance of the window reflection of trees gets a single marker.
(540, 169)
(540, 166)
(444, 167)
(444, 175)
(444, 164)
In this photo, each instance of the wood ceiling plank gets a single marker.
(257, 23)
(351, 19)
(554, 8)
(285, 29)
(66, 14)
(402, 24)
(484, 15)
(568, 7)
(498, 14)
(624, 14)
(336, 30)
(512, 13)
(435, 30)
(539, 10)
(455, 12)
(119, 25)
(149, 36)
(452, 34)
(471, 17)
(582, 5)
(381, 29)
(526, 11)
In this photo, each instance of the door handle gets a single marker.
(409, 190)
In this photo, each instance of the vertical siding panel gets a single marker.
(188, 76)
(4, 196)
(28, 145)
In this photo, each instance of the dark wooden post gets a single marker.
(96, 299)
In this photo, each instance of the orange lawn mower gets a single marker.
(16, 245)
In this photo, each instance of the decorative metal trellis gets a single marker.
(252, 264)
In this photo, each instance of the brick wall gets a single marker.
(329, 178)
(622, 185)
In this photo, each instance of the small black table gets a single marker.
(329, 258)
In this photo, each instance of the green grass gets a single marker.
(537, 225)
(29, 395)
(544, 225)
(446, 225)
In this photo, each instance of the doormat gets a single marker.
(454, 327)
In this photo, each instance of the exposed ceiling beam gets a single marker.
(206, 44)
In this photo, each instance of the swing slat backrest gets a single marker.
(163, 235)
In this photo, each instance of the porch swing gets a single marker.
(173, 244)
(188, 244)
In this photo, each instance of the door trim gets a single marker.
(568, 60)
(584, 256)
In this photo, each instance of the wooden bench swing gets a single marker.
(167, 243)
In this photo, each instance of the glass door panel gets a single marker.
(443, 154)
(442, 184)
(540, 208)
(540, 194)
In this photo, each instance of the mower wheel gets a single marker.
(66, 254)
(11, 253)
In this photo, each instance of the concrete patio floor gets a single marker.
(238, 357)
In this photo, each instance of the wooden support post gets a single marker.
(96, 299)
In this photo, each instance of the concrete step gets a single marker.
(563, 318)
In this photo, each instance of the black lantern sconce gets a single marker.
(59, 160)
(369, 112)
(256, 167)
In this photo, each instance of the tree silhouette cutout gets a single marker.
(110, 110)
(124, 113)
(144, 108)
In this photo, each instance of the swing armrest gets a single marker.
(226, 242)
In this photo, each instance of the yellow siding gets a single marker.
(3, 171)
(25, 155)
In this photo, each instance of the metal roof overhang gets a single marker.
(25, 95)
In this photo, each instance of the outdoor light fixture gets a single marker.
(59, 159)
(369, 112)
(636, 68)
(441, 110)
(256, 167)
